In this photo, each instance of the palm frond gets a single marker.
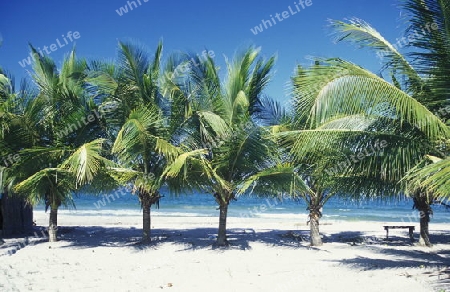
(167, 149)
(431, 175)
(340, 151)
(271, 113)
(281, 178)
(87, 161)
(49, 185)
(429, 35)
(248, 151)
(341, 88)
(215, 122)
(45, 73)
(358, 31)
(5, 83)
(133, 63)
(138, 134)
(181, 163)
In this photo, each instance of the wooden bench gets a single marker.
(411, 230)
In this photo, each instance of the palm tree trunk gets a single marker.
(222, 234)
(422, 204)
(146, 221)
(53, 225)
(314, 217)
(424, 231)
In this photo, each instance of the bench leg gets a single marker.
(387, 233)
(411, 234)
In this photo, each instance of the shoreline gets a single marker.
(290, 220)
(102, 253)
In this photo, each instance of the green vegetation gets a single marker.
(147, 124)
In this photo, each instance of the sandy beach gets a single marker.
(102, 253)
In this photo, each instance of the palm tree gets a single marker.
(331, 126)
(428, 184)
(16, 215)
(426, 79)
(341, 101)
(6, 96)
(221, 117)
(138, 123)
(64, 148)
(350, 112)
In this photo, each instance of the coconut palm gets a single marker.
(334, 120)
(62, 130)
(138, 122)
(340, 101)
(352, 121)
(426, 80)
(221, 117)
(11, 111)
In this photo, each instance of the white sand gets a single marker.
(270, 254)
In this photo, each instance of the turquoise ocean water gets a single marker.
(126, 204)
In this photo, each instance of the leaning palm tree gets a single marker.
(341, 111)
(425, 78)
(64, 150)
(220, 117)
(334, 92)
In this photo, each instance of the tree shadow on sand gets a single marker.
(434, 262)
(238, 238)
(397, 252)
(187, 239)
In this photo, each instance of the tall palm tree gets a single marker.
(220, 117)
(138, 123)
(63, 133)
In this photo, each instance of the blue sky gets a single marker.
(219, 26)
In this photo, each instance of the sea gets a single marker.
(124, 203)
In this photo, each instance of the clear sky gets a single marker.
(220, 26)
